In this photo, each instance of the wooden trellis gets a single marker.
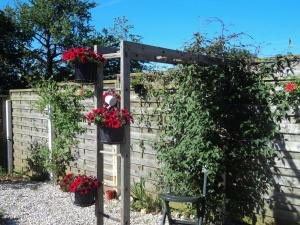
(132, 51)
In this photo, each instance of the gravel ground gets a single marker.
(29, 203)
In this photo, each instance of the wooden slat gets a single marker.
(137, 51)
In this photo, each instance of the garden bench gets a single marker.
(198, 201)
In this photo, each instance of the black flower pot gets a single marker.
(86, 73)
(112, 135)
(85, 200)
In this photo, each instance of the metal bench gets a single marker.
(198, 201)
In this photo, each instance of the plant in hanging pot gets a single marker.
(85, 62)
(84, 188)
(110, 118)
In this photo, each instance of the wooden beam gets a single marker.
(99, 204)
(125, 147)
(137, 51)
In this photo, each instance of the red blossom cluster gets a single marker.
(113, 118)
(84, 183)
(81, 183)
(82, 55)
(289, 87)
(66, 182)
(109, 117)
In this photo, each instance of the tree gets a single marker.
(13, 44)
(54, 25)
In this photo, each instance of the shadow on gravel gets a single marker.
(9, 221)
(5, 185)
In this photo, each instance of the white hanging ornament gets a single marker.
(110, 100)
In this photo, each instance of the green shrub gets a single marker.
(3, 171)
(37, 162)
(221, 117)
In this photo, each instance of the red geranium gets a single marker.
(82, 183)
(66, 182)
(289, 87)
(82, 55)
(110, 117)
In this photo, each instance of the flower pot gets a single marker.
(86, 73)
(85, 200)
(112, 135)
(110, 194)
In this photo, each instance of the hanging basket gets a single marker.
(86, 72)
(85, 200)
(112, 135)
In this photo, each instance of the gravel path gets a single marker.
(28, 203)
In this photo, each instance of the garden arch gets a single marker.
(132, 51)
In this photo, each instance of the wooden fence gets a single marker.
(29, 125)
(3, 155)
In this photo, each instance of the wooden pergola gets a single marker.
(131, 51)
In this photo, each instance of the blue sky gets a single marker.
(170, 23)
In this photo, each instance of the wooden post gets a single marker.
(8, 121)
(125, 148)
(99, 204)
(50, 136)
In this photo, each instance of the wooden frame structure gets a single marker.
(132, 51)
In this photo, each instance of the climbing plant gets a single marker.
(65, 114)
(225, 118)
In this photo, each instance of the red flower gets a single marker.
(115, 124)
(78, 181)
(97, 111)
(82, 55)
(108, 123)
(83, 60)
(71, 56)
(289, 87)
(73, 187)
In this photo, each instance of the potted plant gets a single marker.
(110, 194)
(85, 62)
(84, 188)
(111, 119)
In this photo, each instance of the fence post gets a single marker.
(50, 136)
(8, 122)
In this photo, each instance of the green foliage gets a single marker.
(138, 86)
(221, 117)
(39, 155)
(142, 200)
(12, 49)
(65, 115)
(2, 171)
(54, 25)
(2, 213)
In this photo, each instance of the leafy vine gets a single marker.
(65, 102)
